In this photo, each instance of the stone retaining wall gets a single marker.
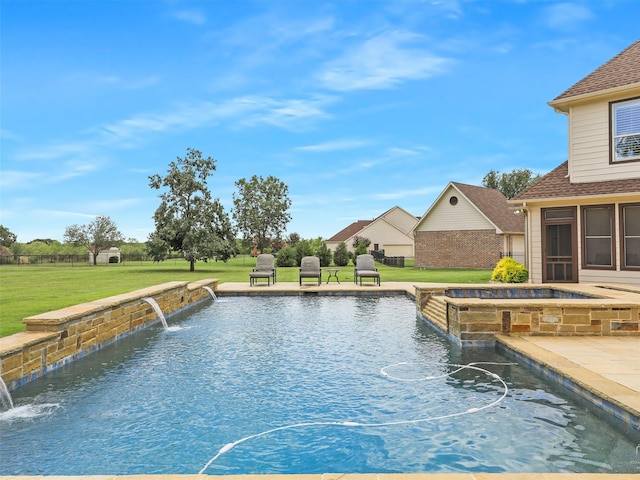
(56, 338)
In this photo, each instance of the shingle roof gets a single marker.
(623, 69)
(348, 232)
(556, 184)
(493, 204)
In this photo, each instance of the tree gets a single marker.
(360, 245)
(341, 255)
(260, 209)
(510, 184)
(188, 219)
(97, 236)
(324, 254)
(7, 238)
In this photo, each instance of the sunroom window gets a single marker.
(626, 130)
(631, 235)
(598, 237)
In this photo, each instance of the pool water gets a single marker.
(326, 384)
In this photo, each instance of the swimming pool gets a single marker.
(313, 370)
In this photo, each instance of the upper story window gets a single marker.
(625, 130)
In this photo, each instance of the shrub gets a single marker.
(324, 254)
(113, 259)
(341, 255)
(509, 271)
(303, 249)
(286, 257)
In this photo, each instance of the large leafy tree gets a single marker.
(7, 238)
(189, 220)
(261, 209)
(98, 235)
(510, 184)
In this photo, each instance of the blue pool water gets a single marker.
(344, 384)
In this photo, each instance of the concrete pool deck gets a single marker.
(607, 366)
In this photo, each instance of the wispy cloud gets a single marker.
(567, 15)
(111, 80)
(408, 193)
(65, 214)
(12, 179)
(382, 62)
(114, 204)
(73, 169)
(245, 112)
(336, 145)
(193, 16)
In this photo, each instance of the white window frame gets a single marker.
(633, 106)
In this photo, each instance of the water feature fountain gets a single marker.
(6, 403)
(211, 292)
(156, 307)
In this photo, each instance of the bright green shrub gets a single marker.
(509, 271)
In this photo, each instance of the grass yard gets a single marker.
(27, 290)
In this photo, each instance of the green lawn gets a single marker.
(27, 290)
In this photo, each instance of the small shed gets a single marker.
(106, 256)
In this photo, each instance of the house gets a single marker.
(468, 227)
(583, 218)
(390, 232)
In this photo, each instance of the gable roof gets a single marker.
(348, 232)
(488, 202)
(556, 184)
(493, 205)
(620, 71)
(360, 225)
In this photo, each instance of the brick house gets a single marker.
(468, 227)
(583, 217)
(390, 232)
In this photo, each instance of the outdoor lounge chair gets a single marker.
(365, 268)
(310, 268)
(265, 268)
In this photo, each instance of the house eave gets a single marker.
(562, 105)
(525, 202)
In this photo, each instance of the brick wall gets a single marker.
(457, 249)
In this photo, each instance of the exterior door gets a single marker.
(559, 245)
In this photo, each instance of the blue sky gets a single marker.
(357, 106)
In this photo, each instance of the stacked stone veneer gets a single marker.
(472, 321)
(55, 338)
(457, 249)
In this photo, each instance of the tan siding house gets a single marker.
(583, 218)
(390, 232)
(468, 227)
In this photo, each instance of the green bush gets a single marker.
(286, 257)
(341, 255)
(324, 254)
(509, 271)
(113, 259)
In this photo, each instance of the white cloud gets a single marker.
(407, 193)
(566, 15)
(196, 17)
(64, 214)
(336, 145)
(16, 179)
(382, 62)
